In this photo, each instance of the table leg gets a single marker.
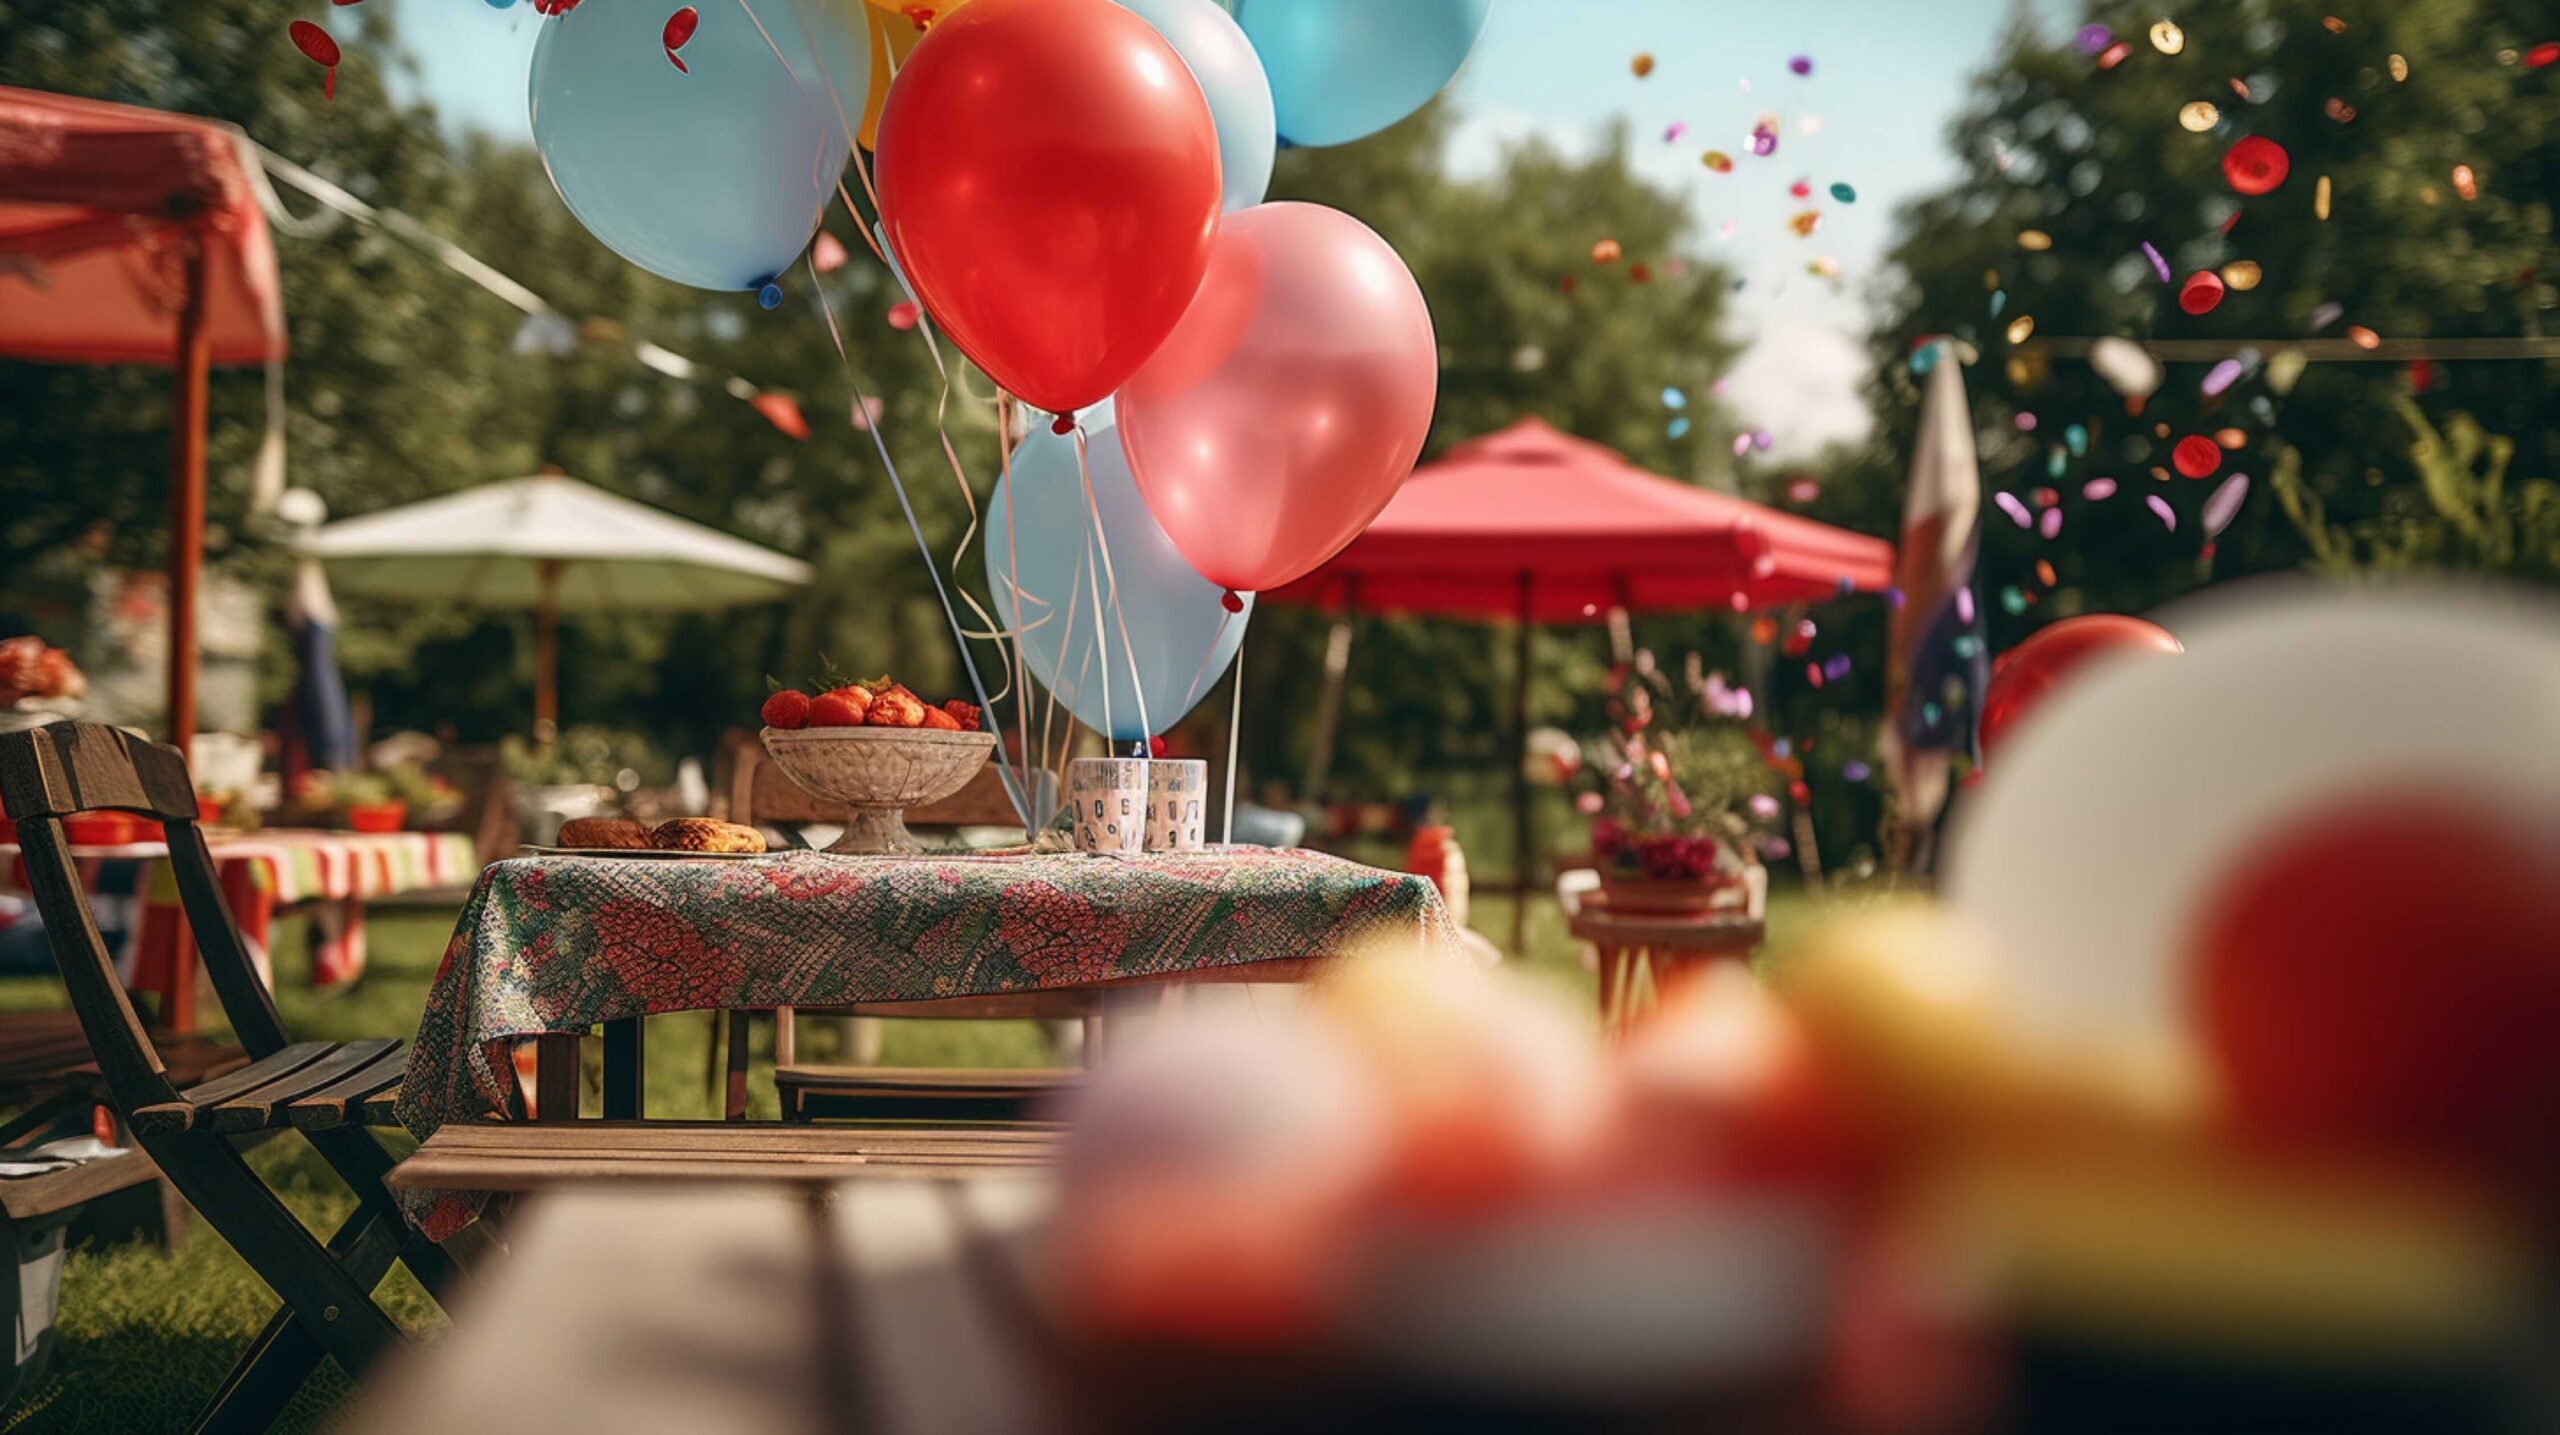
(623, 1067)
(555, 1076)
(733, 1105)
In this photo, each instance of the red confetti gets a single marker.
(2196, 456)
(828, 253)
(680, 27)
(782, 411)
(903, 315)
(2201, 292)
(316, 46)
(2256, 165)
(2547, 53)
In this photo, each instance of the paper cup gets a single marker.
(1110, 798)
(1177, 792)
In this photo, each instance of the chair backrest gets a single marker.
(50, 772)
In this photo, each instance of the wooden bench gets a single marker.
(535, 1156)
(891, 1307)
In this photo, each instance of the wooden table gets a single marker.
(887, 1304)
(1642, 953)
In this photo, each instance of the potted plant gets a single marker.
(1677, 791)
(369, 803)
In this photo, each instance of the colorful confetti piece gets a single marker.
(2198, 116)
(2159, 265)
(680, 28)
(2196, 456)
(2225, 503)
(317, 47)
(2256, 165)
(2160, 506)
(2167, 38)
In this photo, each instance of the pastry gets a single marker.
(616, 833)
(703, 834)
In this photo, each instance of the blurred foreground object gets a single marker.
(2028, 674)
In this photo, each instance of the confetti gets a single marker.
(2338, 110)
(680, 28)
(2242, 274)
(2222, 376)
(1642, 65)
(2465, 183)
(2159, 265)
(2225, 503)
(1844, 193)
(1764, 141)
(2333, 24)
(2094, 38)
(1803, 490)
(2050, 525)
(2158, 505)
(2021, 327)
(2167, 38)
(2320, 199)
(1801, 189)
(2363, 338)
(2325, 315)
(2201, 293)
(1606, 252)
(1801, 64)
(2231, 438)
(1672, 132)
(1805, 222)
(903, 315)
(1836, 667)
(1856, 771)
(1672, 398)
(1964, 605)
(1677, 428)
(2017, 511)
(2076, 438)
(2256, 165)
(1717, 160)
(2098, 489)
(1638, 273)
(1825, 265)
(2542, 55)
(2045, 573)
(2034, 241)
(2196, 456)
(319, 49)
(2198, 116)
(2116, 54)
(2400, 69)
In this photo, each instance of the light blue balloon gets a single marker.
(1048, 581)
(1341, 69)
(714, 178)
(1230, 74)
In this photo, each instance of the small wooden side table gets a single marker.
(1643, 954)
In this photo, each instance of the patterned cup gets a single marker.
(1110, 798)
(1177, 793)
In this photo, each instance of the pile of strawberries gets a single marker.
(876, 703)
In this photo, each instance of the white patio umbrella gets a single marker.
(552, 545)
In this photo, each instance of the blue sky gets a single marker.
(1887, 78)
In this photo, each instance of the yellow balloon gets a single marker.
(896, 27)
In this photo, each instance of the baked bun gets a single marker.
(702, 834)
(615, 833)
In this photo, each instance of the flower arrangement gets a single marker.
(1679, 789)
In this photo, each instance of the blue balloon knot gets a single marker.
(770, 294)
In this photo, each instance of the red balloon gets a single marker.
(2028, 674)
(1049, 182)
(2383, 972)
(1288, 407)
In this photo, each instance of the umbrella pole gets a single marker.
(546, 654)
(1526, 862)
(192, 359)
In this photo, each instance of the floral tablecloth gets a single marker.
(558, 944)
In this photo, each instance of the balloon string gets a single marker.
(1118, 613)
(968, 661)
(1235, 724)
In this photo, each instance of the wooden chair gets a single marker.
(323, 1089)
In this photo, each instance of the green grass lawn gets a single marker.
(148, 1333)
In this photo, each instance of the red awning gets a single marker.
(1581, 530)
(95, 201)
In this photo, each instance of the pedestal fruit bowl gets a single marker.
(878, 773)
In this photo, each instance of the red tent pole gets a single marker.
(186, 494)
(1526, 862)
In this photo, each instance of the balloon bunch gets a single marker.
(1071, 190)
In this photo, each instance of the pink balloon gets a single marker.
(1283, 411)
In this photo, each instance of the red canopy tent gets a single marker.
(1535, 526)
(128, 236)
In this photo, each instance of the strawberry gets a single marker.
(855, 694)
(787, 709)
(896, 707)
(965, 714)
(833, 710)
(937, 718)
